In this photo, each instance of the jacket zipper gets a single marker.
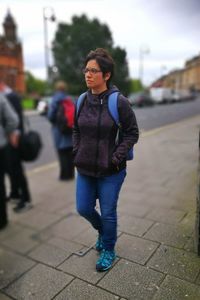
(98, 133)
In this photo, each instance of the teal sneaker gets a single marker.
(105, 260)
(99, 244)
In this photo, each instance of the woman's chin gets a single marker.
(89, 85)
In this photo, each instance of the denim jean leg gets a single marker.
(86, 194)
(108, 191)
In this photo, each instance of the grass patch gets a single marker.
(28, 103)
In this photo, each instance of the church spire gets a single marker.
(9, 27)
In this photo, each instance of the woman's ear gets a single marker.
(107, 76)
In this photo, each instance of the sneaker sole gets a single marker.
(105, 269)
(20, 210)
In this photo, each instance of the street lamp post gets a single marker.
(142, 51)
(48, 14)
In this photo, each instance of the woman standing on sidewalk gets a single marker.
(101, 164)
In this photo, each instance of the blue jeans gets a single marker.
(106, 189)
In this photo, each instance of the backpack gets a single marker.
(65, 115)
(113, 109)
(30, 145)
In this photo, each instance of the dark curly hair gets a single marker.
(104, 60)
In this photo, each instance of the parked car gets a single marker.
(141, 99)
(183, 95)
(43, 104)
(176, 96)
(161, 95)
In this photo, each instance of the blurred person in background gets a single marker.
(62, 141)
(19, 188)
(8, 132)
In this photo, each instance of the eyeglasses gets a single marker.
(91, 70)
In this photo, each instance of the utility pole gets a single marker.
(142, 51)
(48, 15)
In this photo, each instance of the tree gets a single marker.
(121, 77)
(74, 41)
(34, 85)
(136, 85)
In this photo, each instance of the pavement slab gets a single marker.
(135, 249)
(131, 281)
(80, 290)
(68, 228)
(4, 297)
(10, 231)
(87, 238)
(173, 235)
(164, 215)
(48, 254)
(37, 219)
(68, 246)
(83, 267)
(182, 264)
(12, 266)
(22, 242)
(41, 282)
(177, 289)
(133, 209)
(133, 225)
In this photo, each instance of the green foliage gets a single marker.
(121, 78)
(73, 42)
(28, 103)
(136, 86)
(34, 85)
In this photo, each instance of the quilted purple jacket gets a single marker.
(95, 151)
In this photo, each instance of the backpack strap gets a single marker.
(79, 102)
(113, 107)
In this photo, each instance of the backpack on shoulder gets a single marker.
(65, 115)
(30, 143)
(113, 109)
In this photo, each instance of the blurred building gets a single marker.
(187, 78)
(192, 73)
(11, 58)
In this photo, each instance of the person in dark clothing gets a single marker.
(62, 141)
(100, 162)
(18, 181)
(8, 132)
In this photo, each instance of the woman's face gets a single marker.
(94, 77)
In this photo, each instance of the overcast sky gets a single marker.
(169, 29)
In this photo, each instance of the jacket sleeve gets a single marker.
(15, 101)
(51, 114)
(53, 107)
(10, 119)
(129, 130)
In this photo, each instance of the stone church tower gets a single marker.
(11, 59)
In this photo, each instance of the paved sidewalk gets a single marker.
(47, 252)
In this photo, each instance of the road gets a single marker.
(163, 114)
(148, 118)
